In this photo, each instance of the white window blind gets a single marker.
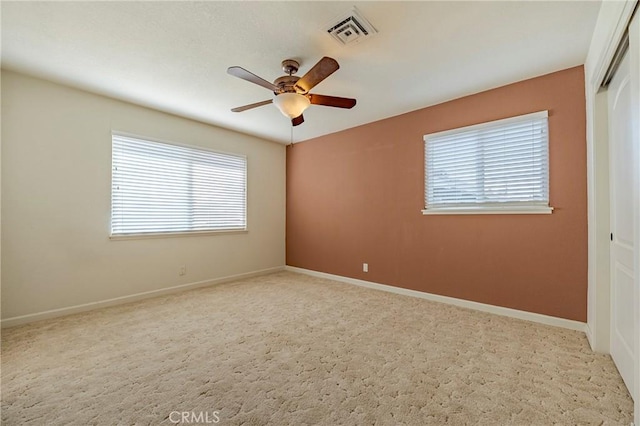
(500, 164)
(164, 188)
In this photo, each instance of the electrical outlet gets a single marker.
(365, 267)
(182, 271)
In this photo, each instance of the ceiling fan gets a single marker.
(292, 92)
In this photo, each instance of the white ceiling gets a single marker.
(173, 56)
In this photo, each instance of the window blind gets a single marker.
(497, 164)
(164, 188)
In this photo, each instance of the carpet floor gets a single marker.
(289, 349)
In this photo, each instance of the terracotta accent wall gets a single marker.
(356, 196)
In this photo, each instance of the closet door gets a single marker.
(622, 162)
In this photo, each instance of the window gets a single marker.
(163, 188)
(496, 167)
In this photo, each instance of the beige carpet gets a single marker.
(288, 349)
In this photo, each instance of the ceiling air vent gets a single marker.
(350, 28)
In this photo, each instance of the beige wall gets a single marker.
(56, 177)
(356, 196)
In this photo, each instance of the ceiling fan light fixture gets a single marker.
(292, 105)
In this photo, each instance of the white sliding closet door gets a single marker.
(623, 186)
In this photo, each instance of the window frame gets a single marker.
(524, 207)
(171, 234)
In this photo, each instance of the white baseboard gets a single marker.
(24, 319)
(498, 310)
(589, 333)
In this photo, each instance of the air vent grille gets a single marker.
(351, 28)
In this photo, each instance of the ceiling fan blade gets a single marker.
(246, 107)
(323, 69)
(332, 101)
(251, 77)
(297, 121)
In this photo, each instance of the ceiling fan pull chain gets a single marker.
(291, 140)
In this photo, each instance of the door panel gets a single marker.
(622, 223)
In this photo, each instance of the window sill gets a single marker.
(490, 210)
(175, 234)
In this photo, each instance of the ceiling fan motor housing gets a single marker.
(287, 83)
